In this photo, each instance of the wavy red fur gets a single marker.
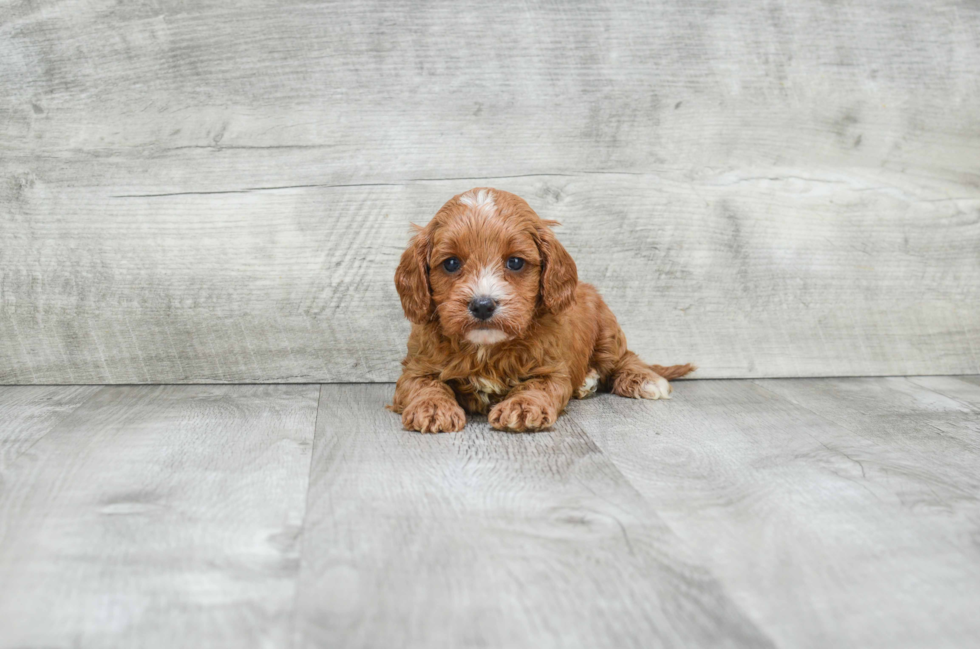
(553, 338)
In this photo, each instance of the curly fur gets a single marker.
(552, 337)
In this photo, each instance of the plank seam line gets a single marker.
(248, 190)
(293, 630)
(309, 380)
(612, 470)
(836, 451)
(402, 183)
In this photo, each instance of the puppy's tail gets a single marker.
(673, 371)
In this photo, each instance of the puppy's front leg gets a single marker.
(427, 405)
(532, 405)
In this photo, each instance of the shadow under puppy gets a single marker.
(501, 324)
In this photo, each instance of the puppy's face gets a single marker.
(483, 268)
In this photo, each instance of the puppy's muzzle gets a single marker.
(482, 307)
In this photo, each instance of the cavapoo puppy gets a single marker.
(501, 324)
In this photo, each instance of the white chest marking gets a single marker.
(488, 386)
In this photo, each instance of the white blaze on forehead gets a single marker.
(490, 283)
(481, 201)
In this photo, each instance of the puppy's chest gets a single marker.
(484, 392)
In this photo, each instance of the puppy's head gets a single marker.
(484, 267)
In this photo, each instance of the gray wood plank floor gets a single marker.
(788, 513)
(157, 516)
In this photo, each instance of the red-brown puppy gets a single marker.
(501, 324)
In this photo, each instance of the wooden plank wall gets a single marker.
(213, 191)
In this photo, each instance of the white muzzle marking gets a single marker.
(489, 283)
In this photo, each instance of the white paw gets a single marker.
(589, 386)
(659, 388)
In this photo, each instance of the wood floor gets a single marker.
(784, 513)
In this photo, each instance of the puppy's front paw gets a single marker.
(428, 415)
(523, 412)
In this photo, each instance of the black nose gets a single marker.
(482, 307)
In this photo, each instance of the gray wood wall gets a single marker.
(216, 191)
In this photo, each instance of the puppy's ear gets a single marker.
(412, 278)
(559, 277)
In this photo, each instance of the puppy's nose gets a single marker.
(482, 307)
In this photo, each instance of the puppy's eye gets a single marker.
(452, 264)
(515, 263)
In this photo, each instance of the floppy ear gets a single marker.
(559, 277)
(412, 279)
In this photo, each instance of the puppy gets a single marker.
(501, 324)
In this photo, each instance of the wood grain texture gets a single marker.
(489, 539)
(837, 512)
(197, 192)
(973, 380)
(28, 413)
(834, 512)
(157, 517)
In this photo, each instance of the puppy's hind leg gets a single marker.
(635, 379)
(623, 371)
